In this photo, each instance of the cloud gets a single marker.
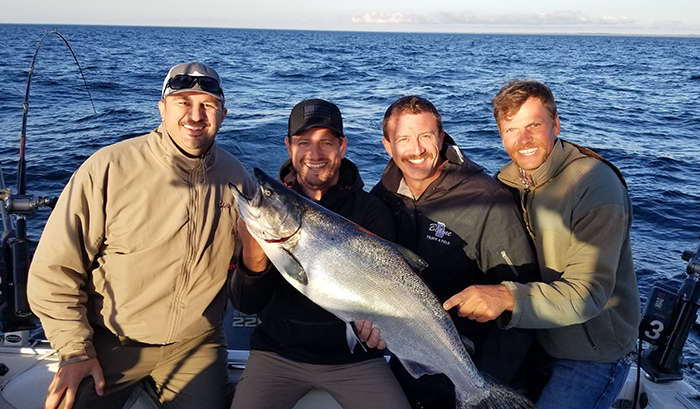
(382, 18)
(567, 18)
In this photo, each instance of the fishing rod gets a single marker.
(22, 165)
(15, 314)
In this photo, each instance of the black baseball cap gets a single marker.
(315, 113)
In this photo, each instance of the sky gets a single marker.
(627, 17)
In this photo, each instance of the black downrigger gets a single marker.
(668, 316)
(16, 319)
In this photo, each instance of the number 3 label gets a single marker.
(656, 327)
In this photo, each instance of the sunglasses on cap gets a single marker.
(185, 81)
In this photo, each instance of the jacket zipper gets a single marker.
(510, 263)
(588, 335)
(526, 218)
(192, 239)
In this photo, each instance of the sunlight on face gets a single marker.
(192, 119)
(316, 155)
(414, 143)
(529, 135)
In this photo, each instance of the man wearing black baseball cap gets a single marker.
(299, 346)
(129, 276)
(316, 147)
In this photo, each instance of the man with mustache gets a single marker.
(129, 275)
(465, 225)
(578, 211)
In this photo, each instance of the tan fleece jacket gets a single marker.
(140, 242)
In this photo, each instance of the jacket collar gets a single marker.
(167, 152)
(551, 165)
(557, 160)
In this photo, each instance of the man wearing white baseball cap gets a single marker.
(128, 278)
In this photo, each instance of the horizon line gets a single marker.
(474, 32)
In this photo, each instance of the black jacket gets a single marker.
(292, 325)
(468, 228)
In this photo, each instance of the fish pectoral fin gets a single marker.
(294, 269)
(468, 344)
(413, 260)
(417, 369)
(352, 338)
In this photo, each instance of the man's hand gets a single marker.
(253, 257)
(68, 378)
(481, 303)
(369, 335)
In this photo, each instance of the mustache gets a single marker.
(424, 155)
(529, 145)
(196, 124)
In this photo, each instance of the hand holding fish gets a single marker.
(481, 303)
(253, 256)
(370, 336)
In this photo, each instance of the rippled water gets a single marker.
(635, 100)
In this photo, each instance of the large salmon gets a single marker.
(359, 276)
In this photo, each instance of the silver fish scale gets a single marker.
(359, 276)
(356, 275)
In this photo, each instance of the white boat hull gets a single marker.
(30, 371)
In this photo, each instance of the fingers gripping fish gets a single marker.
(358, 276)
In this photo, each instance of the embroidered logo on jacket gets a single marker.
(440, 233)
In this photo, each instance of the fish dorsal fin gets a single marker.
(352, 338)
(294, 269)
(413, 260)
(417, 369)
(417, 263)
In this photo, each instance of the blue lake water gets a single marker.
(635, 100)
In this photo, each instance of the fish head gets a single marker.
(270, 214)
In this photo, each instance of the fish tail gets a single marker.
(500, 397)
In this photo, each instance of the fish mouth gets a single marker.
(247, 204)
(237, 193)
(243, 198)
